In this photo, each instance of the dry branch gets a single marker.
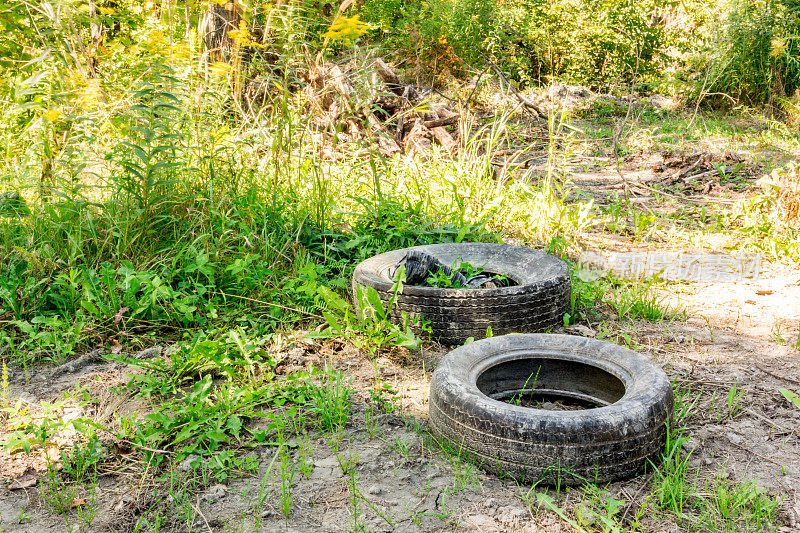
(439, 122)
(388, 115)
(524, 101)
(387, 144)
(391, 80)
(445, 139)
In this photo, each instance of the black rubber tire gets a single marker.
(599, 444)
(537, 302)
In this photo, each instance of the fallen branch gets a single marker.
(524, 101)
(418, 139)
(444, 138)
(444, 121)
(701, 175)
(78, 364)
(393, 83)
(387, 144)
(783, 378)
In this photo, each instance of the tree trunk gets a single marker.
(214, 27)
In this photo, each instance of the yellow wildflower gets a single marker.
(347, 29)
(778, 47)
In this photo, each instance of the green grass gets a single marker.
(698, 502)
(631, 301)
(331, 401)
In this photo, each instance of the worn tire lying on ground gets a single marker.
(600, 444)
(537, 301)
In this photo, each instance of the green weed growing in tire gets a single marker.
(443, 280)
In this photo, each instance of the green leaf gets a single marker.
(375, 302)
(791, 396)
(548, 502)
(333, 300)
(217, 437)
(235, 425)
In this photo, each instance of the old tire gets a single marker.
(537, 301)
(599, 444)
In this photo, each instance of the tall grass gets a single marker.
(158, 199)
(756, 57)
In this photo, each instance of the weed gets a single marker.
(305, 461)
(639, 301)
(517, 399)
(618, 336)
(88, 509)
(286, 473)
(599, 510)
(416, 516)
(4, 395)
(383, 395)
(81, 460)
(262, 492)
(34, 427)
(371, 327)
(741, 505)
(383, 514)
(57, 494)
(224, 463)
(547, 501)
(232, 356)
(331, 401)
(355, 498)
(792, 397)
(677, 490)
(370, 421)
(588, 291)
(671, 486)
(348, 463)
(210, 415)
(450, 280)
(710, 329)
(402, 447)
(734, 401)
(465, 475)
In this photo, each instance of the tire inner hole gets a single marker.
(550, 384)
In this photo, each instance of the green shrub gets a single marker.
(759, 51)
(593, 42)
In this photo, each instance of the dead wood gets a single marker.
(445, 139)
(439, 122)
(391, 80)
(341, 84)
(215, 27)
(524, 101)
(386, 115)
(386, 143)
(393, 83)
(708, 174)
(78, 364)
(418, 140)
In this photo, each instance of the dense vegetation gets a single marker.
(138, 146)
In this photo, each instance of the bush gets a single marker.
(591, 42)
(759, 52)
